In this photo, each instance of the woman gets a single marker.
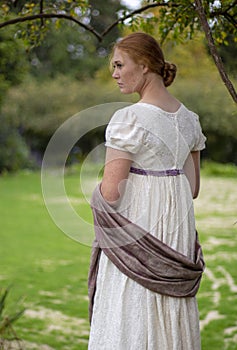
(151, 176)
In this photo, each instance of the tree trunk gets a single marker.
(216, 57)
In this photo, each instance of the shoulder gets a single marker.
(200, 138)
(190, 114)
(124, 131)
(125, 115)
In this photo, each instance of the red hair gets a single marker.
(143, 48)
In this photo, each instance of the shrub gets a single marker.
(14, 153)
(7, 333)
(219, 170)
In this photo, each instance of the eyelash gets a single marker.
(118, 65)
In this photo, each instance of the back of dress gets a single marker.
(134, 317)
(157, 139)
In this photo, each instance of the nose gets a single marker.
(115, 74)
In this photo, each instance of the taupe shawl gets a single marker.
(140, 255)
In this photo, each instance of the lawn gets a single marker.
(47, 270)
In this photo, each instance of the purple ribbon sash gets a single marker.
(169, 172)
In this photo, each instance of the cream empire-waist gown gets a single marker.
(127, 316)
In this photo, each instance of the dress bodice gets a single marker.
(157, 139)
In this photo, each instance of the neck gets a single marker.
(152, 88)
(154, 92)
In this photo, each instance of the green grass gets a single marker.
(49, 270)
(45, 267)
(219, 170)
(216, 217)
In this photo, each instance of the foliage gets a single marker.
(178, 20)
(14, 153)
(66, 51)
(217, 115)
(219, 170)
(7, 332)
(34, 31)
(199, 87)
(229, 54)
(13, 150)
(13, 61)
(71, 49)
(32, 113)
(41, 15)
(38, 108)
(103, 13)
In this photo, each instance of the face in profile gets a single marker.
(130, 76)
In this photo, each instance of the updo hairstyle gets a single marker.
(144, 49)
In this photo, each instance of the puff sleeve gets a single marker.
(200, 138)
(124, 132)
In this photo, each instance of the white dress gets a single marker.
(127, 316)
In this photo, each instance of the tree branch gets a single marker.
(51, 15)
(221, 11)
(231, 19)
(225, 13)
(99, 36)
(15, 3)
(171, 28)
(232, 5)
(198, 8)
(216, 57)
(41, 11)
(135, 12)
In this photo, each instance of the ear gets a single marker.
(145, 68)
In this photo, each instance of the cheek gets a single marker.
(133, 78)
(134, 75)
(136, 80)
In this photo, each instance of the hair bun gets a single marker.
(169, 74)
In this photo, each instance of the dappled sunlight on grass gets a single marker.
(216, 216)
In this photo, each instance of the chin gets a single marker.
(125, 91)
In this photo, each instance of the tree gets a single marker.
(73, 51)
(183, 17)
(13, 149)
(207, 97)
(13, 61)
(217, 59)
(229, 54)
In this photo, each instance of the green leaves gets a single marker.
(175, 20)
(40, 16)
(178, 20)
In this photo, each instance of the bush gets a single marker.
(39, 108)
(7, 333)
(219, 170)
(14, 153)
(218, 116)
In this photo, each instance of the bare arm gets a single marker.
(117, 166)
(192, 171)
